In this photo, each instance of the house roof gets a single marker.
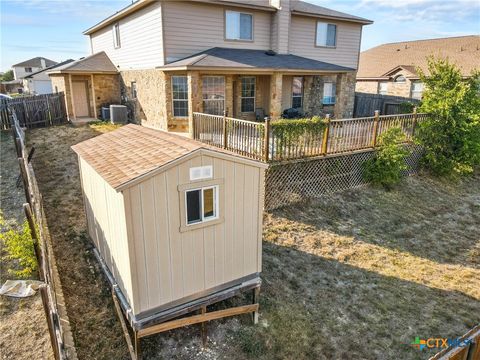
(49, 68)
(35, 62)
(298, 7)
(98, 63)
(305, 8)
(384, 59)
(253, 60)
(132, 152)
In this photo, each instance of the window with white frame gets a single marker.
(238, 26)
(213, 93)
(297, 92)
(201, 204)
(116, 35)
(329, 90)
(326, 34)
(383, 87)
(400, 79)
(248, 94)
(417, 89)
(180, 96)
(133, 87)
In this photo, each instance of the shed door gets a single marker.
(80, 98)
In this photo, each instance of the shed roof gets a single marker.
(247, 59)
(122, 156)
(35, 62)
(382, 60)
(98, 63)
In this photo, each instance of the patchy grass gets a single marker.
(356, 275)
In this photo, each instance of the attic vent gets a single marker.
(201, 172)
(270, 53)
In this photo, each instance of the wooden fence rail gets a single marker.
(261, 141)
(51, 292)
(34, 111)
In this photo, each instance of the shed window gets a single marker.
(248, 94)
(116, 35)
(213, 92)
(238, 26)
(383, 87)
(297, 92)
(329, 90)
(180, 96)
(201, 204)
(133, 86)
(326, 34)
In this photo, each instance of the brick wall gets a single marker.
(402, 89)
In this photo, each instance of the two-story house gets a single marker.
(30, 66)
(245, 58)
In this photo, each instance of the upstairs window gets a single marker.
(326, 34)
(116, 36)
(248, 94)
(201, 204)
(297, 92)
(180, 96)
(238, 26)
(383, 87)
(417, 90)
(28, 69)
(329, 90)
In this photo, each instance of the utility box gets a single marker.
(105, 113)
(118, 114)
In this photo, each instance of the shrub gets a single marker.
(451, 138)
(18, 244)
(289, 131)
(389, 162)
(407, 107)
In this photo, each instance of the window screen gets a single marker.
(326, 34)
(193, 206)
(238, 26)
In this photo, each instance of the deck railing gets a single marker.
(260, 140)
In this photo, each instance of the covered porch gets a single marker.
(254, 84)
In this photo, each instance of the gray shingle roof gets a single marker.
(49, 68)
(35, 62)
(96, 63)
(251, 59)
(311, 9)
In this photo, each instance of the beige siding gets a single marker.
(106, 225)
(171, 264)
(141, 40)
(302, 41)
(191, 28)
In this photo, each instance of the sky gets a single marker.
(53, 28)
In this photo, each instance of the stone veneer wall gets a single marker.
(107, 90)
(345, 95)
(393, 88)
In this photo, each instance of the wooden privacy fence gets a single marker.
(467, 347)
(51, 292)
(366, 104)
(34, 111)
(261, 141)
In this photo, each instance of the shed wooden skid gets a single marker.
(135, 182)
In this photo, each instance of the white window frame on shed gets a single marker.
(322, 38)
(116, 35)
(233, 26)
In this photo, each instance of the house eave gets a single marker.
(83, 72)
(236, 70)
(339, 18)
(372, 78)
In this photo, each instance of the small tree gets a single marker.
(7, 76)
(389, 162)
(451, 138)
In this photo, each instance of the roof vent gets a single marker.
(270, 53)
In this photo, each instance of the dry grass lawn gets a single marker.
(356, 275)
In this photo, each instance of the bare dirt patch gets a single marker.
(23, 326)
(357, 275)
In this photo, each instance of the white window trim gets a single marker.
(182, 100)
(248, 97)
(379, 91)
(224, 89)
(334, 95)
(298, 96)
(215, 205)
(316, 35)
(225, 35)
(116, 36)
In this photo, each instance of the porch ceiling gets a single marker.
(251, 60)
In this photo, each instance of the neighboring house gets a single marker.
(39, 82)
(31, 66)
(391, 69)
(11, 87)
(179, 57)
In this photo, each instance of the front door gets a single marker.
(80, 98)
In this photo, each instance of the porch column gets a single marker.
(194, 97)
(345, 95)
(229, 95)
(276, 83)
(70, 84)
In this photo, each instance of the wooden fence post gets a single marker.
(225, 135)
(36, 247)
(266, 140)
(414, 123)
(326, 133)
(26, 185)
(375, 128)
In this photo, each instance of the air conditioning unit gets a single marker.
(118, 114)
(105, 113)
